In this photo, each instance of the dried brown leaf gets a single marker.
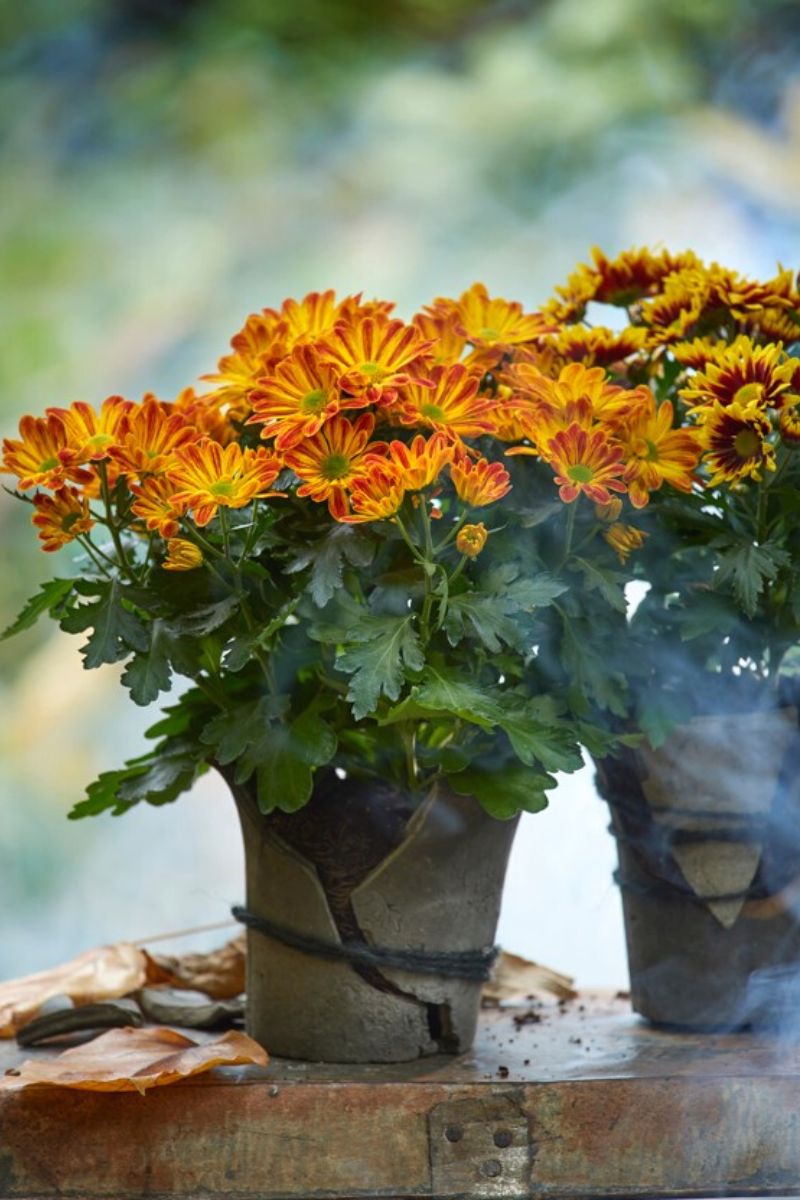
(219, 973)
(104, 973)
(133, 1060)
(514, 976)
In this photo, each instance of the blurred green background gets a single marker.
(170, 165)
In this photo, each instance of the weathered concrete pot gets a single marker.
(709, 859)
(365, 863)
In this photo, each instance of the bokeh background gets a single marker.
(170, 165)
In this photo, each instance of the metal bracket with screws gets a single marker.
(480, 1148)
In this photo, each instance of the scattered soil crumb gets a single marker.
(576, 1041)
(530, 1017)
(502, 1072)
(622, 996)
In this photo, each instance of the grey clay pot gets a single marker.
(362, 862)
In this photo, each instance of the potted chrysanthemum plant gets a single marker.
(705, 434)
(319, 554)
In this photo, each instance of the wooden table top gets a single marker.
(576, 1099)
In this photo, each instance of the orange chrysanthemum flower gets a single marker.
(743, 373)
(151, 438)
(207, 477)
(445, 333)
(377, 494)
(206, 414)
(156, 505)
(373, 356)
(297, 400)
(60, 518)
(624, 539)
(329, 462)
(734, 437)
(255, 350)
(492, 324)
(36, 457)
(92, 435)
(656, 453)
(420, 463)
(451, 405)
(479, 482)
(585, 462)
(182, 555)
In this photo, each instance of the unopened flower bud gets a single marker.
(609, 512)
(182, 555)
(471, 540)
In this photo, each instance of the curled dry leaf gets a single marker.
(133, 1060)
(104, 973)
(514, 976)
(219, 973)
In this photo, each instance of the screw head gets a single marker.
(491, 1168)
(454, 1133)
(502, 1139)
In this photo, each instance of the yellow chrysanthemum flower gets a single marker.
(743, 373)
(656, 453)
(421, 462)
(734, 437)
(207, 477)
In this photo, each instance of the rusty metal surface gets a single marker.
(595, 1104)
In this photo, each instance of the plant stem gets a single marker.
(571, 513)
(123, 564)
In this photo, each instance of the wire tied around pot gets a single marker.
(472, 965)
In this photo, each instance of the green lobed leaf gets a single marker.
(203, 620)
(46, 600)
(750, 568)
(442, 692)
(534, 741)
(327, 560)
(290, 756)
(232, 733)
(605, 581)
(115, 630)
(382, 650)
(505, 793)
(149, 673)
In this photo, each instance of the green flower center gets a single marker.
(489, 335)
(432, 411)
(749, 392)
(580, 473)
(747, 444)
(223, 487)
(49, 464)
(370, 368)
(314, 402)
(335, 466)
